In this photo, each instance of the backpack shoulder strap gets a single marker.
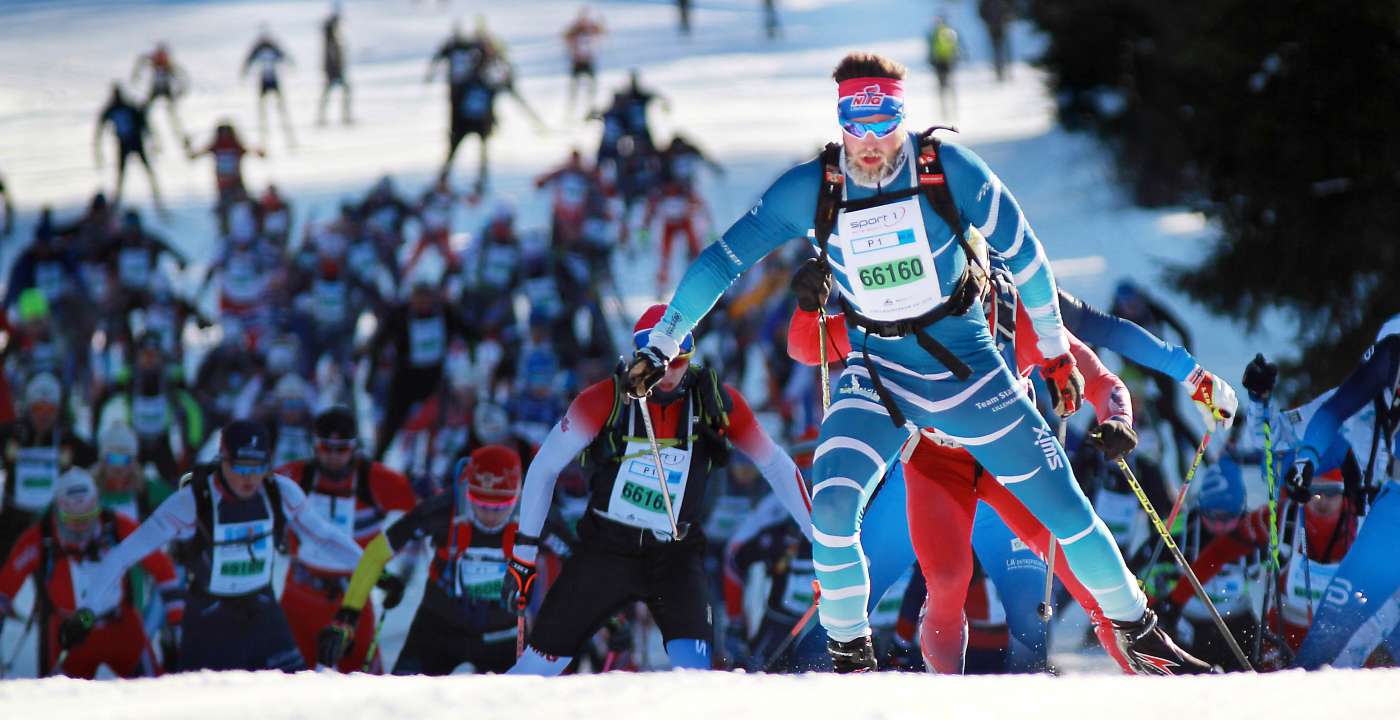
(828, 195)
(714, 401)
(279, 516)
(197, 480)
(363, 492)
(308, 475)
(935, 183)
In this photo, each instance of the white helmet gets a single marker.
(75, 494)
(118, 438)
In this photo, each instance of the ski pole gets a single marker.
(1300, 527)
(58, 665)
(1046, 609)
(797, 632)
(1180, 500)
(1186, 483)
(825, 373)
(1185, 566)
(374, 644)
(677, 531)
(519, 631)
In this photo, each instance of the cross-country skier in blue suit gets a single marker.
(908, 280)
(1361, 607)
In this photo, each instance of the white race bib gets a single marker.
(1301, 583)
(725, 516)
(240, 567)
(149, 415)
(328, 300)
(36, 470)
(134, 267)
(49, 278)
(636, 493)
(888, 262)
(1122, 514)
(427, 340)
(293, 443)
(480, 573)
(242, 282)
(1228, 590)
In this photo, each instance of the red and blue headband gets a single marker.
(859, 98)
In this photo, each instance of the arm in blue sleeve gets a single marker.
(1125, 337)
(21, 278)
(1374, 376)
(985, 204)
(785, 211)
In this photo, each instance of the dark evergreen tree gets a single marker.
(1277, 118)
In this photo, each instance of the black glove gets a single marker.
(812, 284)
(520, 579)
(1260, 376)
(393, 588)
(334, 640)
(1299, 481)
(75, 629)
(1115, 437)
(647, 368)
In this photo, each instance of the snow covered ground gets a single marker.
(756, 105)
(706, 696)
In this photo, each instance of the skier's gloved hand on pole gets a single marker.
(1299, 479)
(1066, 384)
(520, 576)
(647, 368)
(1115, 437)
(393, 587)
(812, 285)
(1213, 397)
(75, 629)
(1260, 376)
(334, 639)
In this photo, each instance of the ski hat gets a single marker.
(1222, 489)
(336, 422)
(493, 476)
(245, 441)
(43, 388)
(641, 332)
(118, 439)
(75, 495)
(1391, 327)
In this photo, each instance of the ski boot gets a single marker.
(1150, 651)
(852, 656)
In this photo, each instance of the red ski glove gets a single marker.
(1066, 384)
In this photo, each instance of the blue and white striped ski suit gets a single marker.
(988, 413)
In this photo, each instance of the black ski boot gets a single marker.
(1151, 652)
(852, 656)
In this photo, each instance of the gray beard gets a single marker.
(880, 175)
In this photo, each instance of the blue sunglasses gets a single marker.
(881, 129)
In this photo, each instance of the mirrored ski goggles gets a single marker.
(1330, 489)
(643, 337)
(859, 129)
(248, 469)
(334, 446)
(118, 459)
